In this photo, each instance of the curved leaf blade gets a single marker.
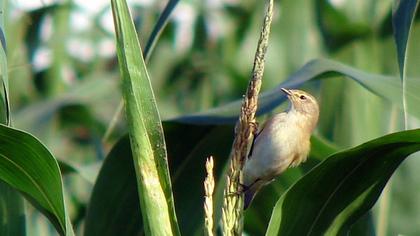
(332, 196)
(4, 99)
(28, 166)
(158, 28)
(402, 20)
(386, 87)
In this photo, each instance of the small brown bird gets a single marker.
(282, 142)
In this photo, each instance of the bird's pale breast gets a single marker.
(280, 144)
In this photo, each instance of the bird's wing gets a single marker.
(253, 141)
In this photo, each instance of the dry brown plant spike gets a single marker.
(232, 211)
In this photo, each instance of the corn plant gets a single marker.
(118, 145)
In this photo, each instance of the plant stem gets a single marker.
(233, 203)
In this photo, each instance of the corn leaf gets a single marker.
(114, 206)
(26, 165)
(145, 129)
(387, 87)
(402, 20)
(158, 28)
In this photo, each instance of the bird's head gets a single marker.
(302, 102)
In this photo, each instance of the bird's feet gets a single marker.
(254, 127)
(241, 190)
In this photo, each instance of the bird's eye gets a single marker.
(302, 97)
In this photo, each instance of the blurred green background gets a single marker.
(64, 82)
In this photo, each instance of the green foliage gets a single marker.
(403, 17)
(199, 57)
(160, 25)
(11, 203)
(145, 130)
(12, 213)
(384, 86)
(114, 207)
(28, 166)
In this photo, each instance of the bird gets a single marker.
(282, 142)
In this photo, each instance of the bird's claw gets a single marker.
(254, 127)
(241, 190)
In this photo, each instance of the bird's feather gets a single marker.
(253, 142)
(249, 196)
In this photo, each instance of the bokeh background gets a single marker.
(64, 81)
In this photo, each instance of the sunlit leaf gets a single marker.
(145, 129)
(28, 166)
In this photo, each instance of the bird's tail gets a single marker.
(249, 196)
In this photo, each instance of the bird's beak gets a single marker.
(286, 91)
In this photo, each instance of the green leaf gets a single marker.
(114, 200)
(189, 146)
(339, 28)
(11, 203)
(145, 129)
(114, 206)
(402, 20)
(321, 148)
(93, 92)
(387, 87)
(332, 196)
(11, 212)
(89, 172)
(364, 226)
(158, 28)
(4, 73)
(4, 98)
(28, 166)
